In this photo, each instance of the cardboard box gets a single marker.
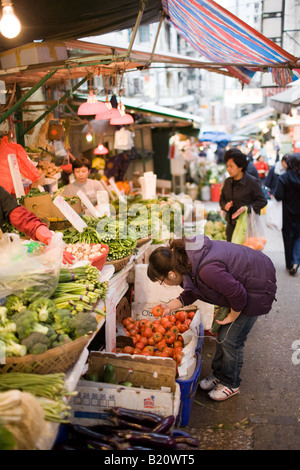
(154, 388)
(37, 53)
(42, 206)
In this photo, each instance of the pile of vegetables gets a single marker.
(106, 231)
(128, 430)
(215, 227)
(160, 337)
(35, 327)
(85, 251)
(26, 402)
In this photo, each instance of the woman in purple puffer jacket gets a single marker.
(223, 274)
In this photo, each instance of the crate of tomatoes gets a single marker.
(175, 336)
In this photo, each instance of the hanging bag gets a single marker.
(274, 215)
(255, 233)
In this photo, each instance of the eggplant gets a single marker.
(153, 439)
(143, 417)
(96, 445)
(189, 440)
(92, 435)
(165, 425)
(121, 423)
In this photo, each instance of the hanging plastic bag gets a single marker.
(239, 232)
(26, 167)
(255, 233)
(274, 215)
(31, 275)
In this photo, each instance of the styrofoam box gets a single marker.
(33, 54)
(154, 388)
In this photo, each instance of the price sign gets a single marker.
(85, 200)
(69, 213)
(103, 203)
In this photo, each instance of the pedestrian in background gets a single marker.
(262, 168)
(288, 191)
(240, 190)
(275, 171)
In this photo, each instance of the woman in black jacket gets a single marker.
(288, 191)
(240, 190)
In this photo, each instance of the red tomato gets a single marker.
(160, 329)
(178, 344)
(149, 349)
(161, 345)
(146, 353)
(182, 328)
(134, 331)
(130, 326)
(188, 321)
(191, 315)
(177, 357)
(128, 350)
(151, 341)
(157, 311)
(143, 323)
(137, 351)
(147, 332)
(157, 336)
(144, 340)
(172, 318)
(170, 337)
(164, 321)
(174, 330)
(139, 345)
(169, 351)
(117, 350)
(181, 315)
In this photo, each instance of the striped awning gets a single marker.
(223, 38)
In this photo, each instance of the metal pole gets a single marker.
(27, 95)
(56, 104)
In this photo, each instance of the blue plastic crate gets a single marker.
(200, 339)
(188, 390)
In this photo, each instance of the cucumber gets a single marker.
(109, 374)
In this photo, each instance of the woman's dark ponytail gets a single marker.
(165, 259)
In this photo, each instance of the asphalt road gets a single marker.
(266, 413)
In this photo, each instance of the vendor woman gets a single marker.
(226, 275)
(25, 221)
(82, 168)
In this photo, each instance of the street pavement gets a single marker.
(266, 413)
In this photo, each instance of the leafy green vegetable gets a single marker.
(7, 440)
(27, 322)
(82, 324)
(14, 304)
(45, 309)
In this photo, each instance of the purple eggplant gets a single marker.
(152, 439)
(165, 425)
(123, 424)
(143, 417)
(189, 440)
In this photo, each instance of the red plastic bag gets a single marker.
(26, 167)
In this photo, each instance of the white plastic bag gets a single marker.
(274, 215)
(255, 233)
(28, 274)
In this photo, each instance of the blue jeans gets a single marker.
(296, 252)
(228, 359)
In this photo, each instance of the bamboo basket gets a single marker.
(54, 360)
(119, 263)
(142, 241)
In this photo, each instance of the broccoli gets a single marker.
(61, 321)
(51, 334)
(14, 304)
(11, 345)
(27, 322)
(60, 340)
(45, 308)
(36, 343)
(82, 324)
(6, 325)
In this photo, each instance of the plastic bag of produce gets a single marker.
(240, 228)
(28, 274)
(255, 233)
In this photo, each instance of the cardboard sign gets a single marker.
(103, 203)
(110, 324)
(69, 213)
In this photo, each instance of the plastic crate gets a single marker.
(200, 340)
(187, 391)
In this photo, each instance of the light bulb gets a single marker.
(10, 26)
(89, 137)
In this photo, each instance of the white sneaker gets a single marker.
(221, 392)
(209, 382)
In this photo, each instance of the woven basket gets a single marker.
(119, 263)
(142, 241)
(54, 360)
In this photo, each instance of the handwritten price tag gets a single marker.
(69, 213)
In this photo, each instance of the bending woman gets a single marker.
(223, 274)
